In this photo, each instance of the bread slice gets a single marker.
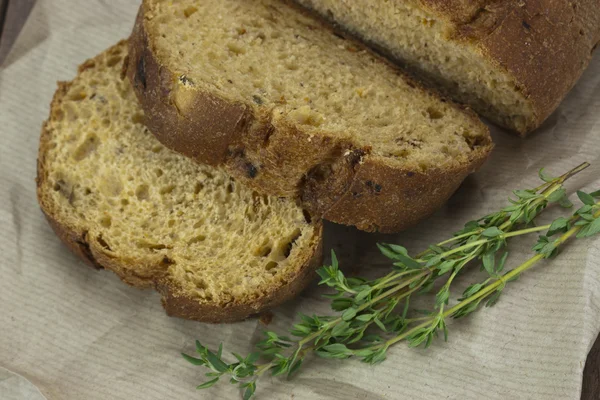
(293, 110)
(214, 249)
(512, 61)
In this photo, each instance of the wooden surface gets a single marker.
(19, 10)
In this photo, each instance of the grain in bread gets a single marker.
(512, 61)
(295, 110)
(216, 250)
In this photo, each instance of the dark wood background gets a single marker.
(19, 10)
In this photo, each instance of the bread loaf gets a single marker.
(214, 249)
(294, 110)
(512, 61)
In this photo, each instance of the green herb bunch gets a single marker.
(376, 314)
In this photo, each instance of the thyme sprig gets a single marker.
(376, 314)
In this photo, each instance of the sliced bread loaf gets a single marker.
(512, 61)
(214, 249)
(294, 110)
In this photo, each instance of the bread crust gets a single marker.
(177, 305)
(90, 249)
(324, 172)
(545, 45)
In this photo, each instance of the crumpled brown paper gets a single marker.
(68, 332)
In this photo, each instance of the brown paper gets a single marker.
(68, 332)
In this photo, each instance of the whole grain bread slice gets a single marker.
(214, 249)
(512, 61)
(294, 110)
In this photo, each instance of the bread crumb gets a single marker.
(266, 318)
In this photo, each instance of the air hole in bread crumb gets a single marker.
(271, 265)
(89, 145)
(159, 172)
(137, 118)
(167, 189)
(198, 224)
(200, 284)
(124, 202)
(473, 141)
(60, 186)
(87, 191)
(189, 11)
(142, 244)
(167, 261)
(106, 221)
(142, 192)
(157, 149)
(434, 113)
(113, 61)
(284, 248)
(231, 187)
(197, 239)
(103, 243)
(307, 216)
(262, 37)
(171, 223)
(288, 248)
(263, 250)
(198, 187)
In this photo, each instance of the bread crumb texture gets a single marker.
(269, 56)
(158, 215)
(512, 61)
(424, 42)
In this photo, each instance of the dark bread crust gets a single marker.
(545, 45)
(414, 195)
(91, 250)
(335, 179)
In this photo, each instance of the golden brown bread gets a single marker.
(511, 60)
(215, 250)
(382, 177)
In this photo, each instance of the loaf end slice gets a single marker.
(294, 110)
(512, 61)
(216, 250)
